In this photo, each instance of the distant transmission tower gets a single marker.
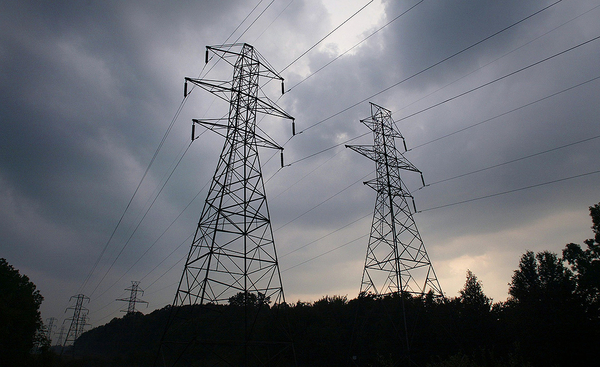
(50, 321)
(396, 260)
(78, 320)
(232, 258)
(133, 297)
(61, 334)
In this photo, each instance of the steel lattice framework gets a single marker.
(61, 334)
(396, 259)
(233, 251)
(78, 320)
(134, 290)
(50, 327)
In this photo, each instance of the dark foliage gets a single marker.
(586, 266)
(20, 321)
(543, 316)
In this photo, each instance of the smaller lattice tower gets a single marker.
(78, 320)
(49, 327)
(396, 260)
(61, 334)
(134, 291)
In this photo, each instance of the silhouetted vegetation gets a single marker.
(550, 319)
(21, 326)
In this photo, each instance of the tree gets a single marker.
(474, 323)
(543, 314)
(472, 294)
(20, 319)
(541, 278)
(249, 299)
(585, 265)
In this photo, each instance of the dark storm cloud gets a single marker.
(434, 31)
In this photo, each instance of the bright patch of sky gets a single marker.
(357, 28)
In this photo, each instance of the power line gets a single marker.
(232, 33)
(452, 204)
(511, 191)
(500, 78)
(187, 240)
(326, 252)
(148, 209)
(506, 113)
(480, 170)
(254, 21)
(139, 223)
(326, 235)
(244, 20)
(429, 67)
(172, 266)
(329, 148)
(513, 161)
(274, 20)
(160, 145)
(327, 35)
(306, 175)
(324, 201)
(457, 131)
(155, 197)
(506, 54)
(356, 45)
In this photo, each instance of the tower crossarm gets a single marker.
(381, 157)
(366, 150)
(378, 186)
(221, 129)
(223, 90)
(402, 163)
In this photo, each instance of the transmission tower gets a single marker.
(396, 260)
(78, 320)
(232, 256)
(133, 297)
(50, 321)
(61, 334)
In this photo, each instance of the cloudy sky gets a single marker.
(502, 118)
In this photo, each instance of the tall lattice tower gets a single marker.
(396, 260)
(78, 320)
(134, 291)
(232, 258)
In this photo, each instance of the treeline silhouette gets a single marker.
(551, 318)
